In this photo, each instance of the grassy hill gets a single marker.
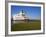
(23, 26)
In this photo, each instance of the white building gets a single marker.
(20, 17)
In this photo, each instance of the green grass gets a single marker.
(32, 25)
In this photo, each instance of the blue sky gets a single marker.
(33, 12)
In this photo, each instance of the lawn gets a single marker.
(32, 25)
